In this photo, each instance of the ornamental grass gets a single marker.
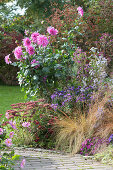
(97, 121)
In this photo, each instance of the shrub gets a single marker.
(34, 121)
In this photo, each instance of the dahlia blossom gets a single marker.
(80, 11)
(18, 52)
(34, 36)
(42, 40)
(7, 59)
(8, 142)
(52, 31)
(26, 124)
(1, 131)
(30, 50)
(23, 163)
(27, 42)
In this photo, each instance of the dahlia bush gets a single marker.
(42, 68)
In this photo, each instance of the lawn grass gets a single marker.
(10, 95)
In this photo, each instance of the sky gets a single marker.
(19, 10)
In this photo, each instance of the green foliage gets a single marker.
(105, 155)
(38, 7)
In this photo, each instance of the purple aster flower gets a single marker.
(18, 52)
(54, 106)
(42, 41)
(13, 124)
(7, 59)
(110, 138)
(52, 31)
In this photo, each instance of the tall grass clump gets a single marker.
(97, 121)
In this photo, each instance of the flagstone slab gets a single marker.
(41, 159)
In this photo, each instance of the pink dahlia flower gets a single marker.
(13, 124)
(18, 52)
(27, 42)
(34, 61)
(8, 142)
(1, 131)
(11, 134)
(42, 40)
(26, 124)
(23, 163)
(7, 59)
(30, 50)
(34, 36)
(52, 31)
(80, 11)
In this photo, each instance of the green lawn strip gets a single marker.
(10, 95)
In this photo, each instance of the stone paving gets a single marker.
(40, 159)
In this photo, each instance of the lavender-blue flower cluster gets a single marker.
(70, 96)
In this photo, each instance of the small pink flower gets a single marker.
(8, 142)
(7, 115)
(52, 31)
(42, 40)
(23, 163)
(34, 36)
(26, 124)
(80, 11)
(18, 52)
(30, 50)
(1, 131)
(7, 59)
(26, 32)
(11, 134)
(26, 42)
(13, 124)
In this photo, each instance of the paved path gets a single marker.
(40, 159)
